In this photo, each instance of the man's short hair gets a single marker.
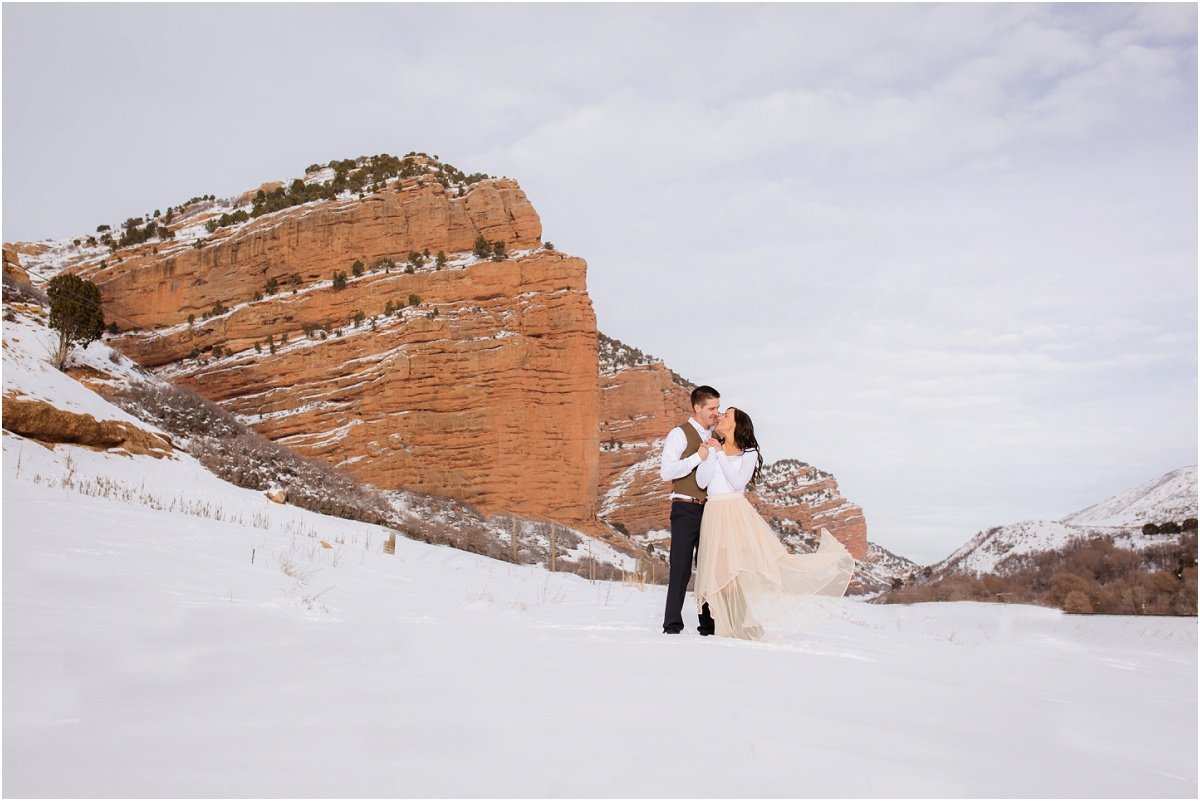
(702, 394)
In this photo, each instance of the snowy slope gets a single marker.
(224, 651)
(168, 634)
(1169, 498)
(1120, 518)
(987, 549)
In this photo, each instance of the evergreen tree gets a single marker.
(75, 313)
(482, 248)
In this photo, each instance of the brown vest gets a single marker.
(687, 485)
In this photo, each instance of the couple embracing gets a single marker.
(748, 585)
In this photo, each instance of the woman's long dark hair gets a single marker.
(743, 437)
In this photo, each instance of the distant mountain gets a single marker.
(1169, 498)
(1133, 554)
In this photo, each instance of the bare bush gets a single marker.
(1085, 576)
(21, 292)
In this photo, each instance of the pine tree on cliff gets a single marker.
(75, 313)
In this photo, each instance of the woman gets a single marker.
(754, 587)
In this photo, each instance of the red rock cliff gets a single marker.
(484, 390)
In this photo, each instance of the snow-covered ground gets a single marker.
(151, 651)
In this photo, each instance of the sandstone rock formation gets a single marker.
(39, 421)
(12, 264)
(480, 384)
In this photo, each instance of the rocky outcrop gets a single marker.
(797, 497)
(638, 406)
(474, 380)
(12, 265)
(39, 421)
(159, 284)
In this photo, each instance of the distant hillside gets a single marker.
(1134, 553)
(1170, 497)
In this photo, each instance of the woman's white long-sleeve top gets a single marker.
(720, 473)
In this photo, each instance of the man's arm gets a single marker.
(674, 467)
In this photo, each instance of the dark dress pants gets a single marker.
(685, 540)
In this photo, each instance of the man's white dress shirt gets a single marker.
(673, 466)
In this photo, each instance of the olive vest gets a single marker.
(687, 485)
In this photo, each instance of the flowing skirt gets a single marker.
(754, 588)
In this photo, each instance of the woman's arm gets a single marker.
(738, 478)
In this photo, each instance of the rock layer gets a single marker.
(38, 420)
(484, 390)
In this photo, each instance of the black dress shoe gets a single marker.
(704, 633)
(672, 631)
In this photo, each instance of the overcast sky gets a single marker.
(948, 252)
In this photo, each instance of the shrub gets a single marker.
(19, 290)
(441, 259)
(413, 299)
(339, 280)
(482, 248)
(357, 268)
(499, 251)
(272, 286)
(1078, 603)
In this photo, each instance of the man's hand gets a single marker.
(713, 443)
(703, 451)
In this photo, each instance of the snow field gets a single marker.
(145, 654)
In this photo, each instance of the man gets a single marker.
(686, 447)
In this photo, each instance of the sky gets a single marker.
(945, 252)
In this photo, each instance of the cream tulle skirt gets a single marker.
(754, 588)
